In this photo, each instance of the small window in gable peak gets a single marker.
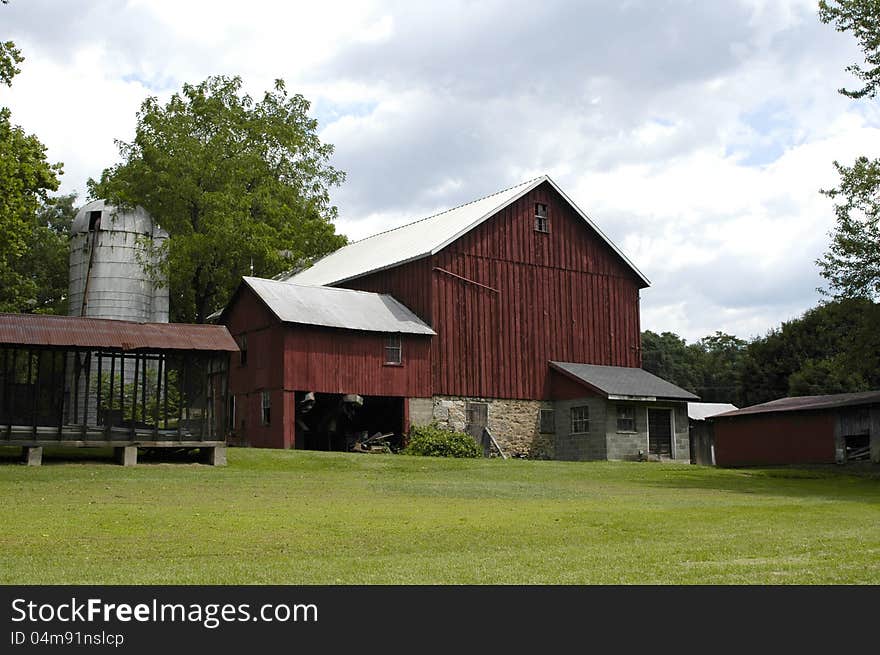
(541, 222)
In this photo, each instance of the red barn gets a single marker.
(802, 430)
(508, 284)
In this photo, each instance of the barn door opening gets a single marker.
(660, 432)
(477, 420)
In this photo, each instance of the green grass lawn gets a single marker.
(294, 517)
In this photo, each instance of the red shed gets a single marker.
(319, 365)
(803, 430)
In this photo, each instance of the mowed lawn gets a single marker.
(294, 517)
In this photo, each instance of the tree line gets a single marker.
(832, 348)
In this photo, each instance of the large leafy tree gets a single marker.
(240, 186)
(851, 265)
(26, 177)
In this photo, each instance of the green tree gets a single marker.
(851, 265)
(26, 177)
(46, 262)
(239, 185)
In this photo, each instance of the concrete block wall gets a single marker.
(587, 446)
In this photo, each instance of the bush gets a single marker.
(434, 441)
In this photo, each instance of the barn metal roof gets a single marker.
(338, 308)
(623, 382)
(701, 411)
(427, 237)
(76, 332)
(806, 403)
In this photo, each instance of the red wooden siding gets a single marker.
(285, 358)
(342, 361)
(561, 296)
(409, 283)
(775, 439)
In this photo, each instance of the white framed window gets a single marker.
(547, 421)
(626, 418)
(265, 408)
(541, 222)
(580, 419)
(393, 350)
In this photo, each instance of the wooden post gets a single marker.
(122, 388)
(76, 370)
(181, 384)
(35, 406)
(134, 395)
(108, 419)
(88, 391)
(63, 385)
(158, 396)
(165, 400)
(100, 390)
(144, 389)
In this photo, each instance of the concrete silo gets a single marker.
(107, 275)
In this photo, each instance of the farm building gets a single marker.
(701, 433)
(803, 430)
(512, 317)
(88, 382)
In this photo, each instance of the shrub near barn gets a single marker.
(433, 441)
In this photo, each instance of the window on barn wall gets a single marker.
(265, 408)
(580, 419)
(626, 418)
(393, 350)
(541, 223)
(547, 421)
(242, 348)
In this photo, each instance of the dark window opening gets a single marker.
(858, 447)
(393, 350)
(541, 222)
(626, 418)
(266, 408)
(580, 419)
(94, 221)
(547, 421)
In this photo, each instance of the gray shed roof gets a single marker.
(338, 308)
(427, 237)
(807, 403)
(623, 383)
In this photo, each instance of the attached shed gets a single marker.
(71, 381)
(701, 433)
(320, 366)
(615, 412)
(804, 430)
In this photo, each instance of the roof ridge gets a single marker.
(446, 211)
(320, 286)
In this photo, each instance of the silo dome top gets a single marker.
(99, 215)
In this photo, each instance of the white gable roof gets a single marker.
(338, 308)
(426, 237)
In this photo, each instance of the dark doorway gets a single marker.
(330, 421)
(660, 432)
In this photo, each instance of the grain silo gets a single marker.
(108, 279)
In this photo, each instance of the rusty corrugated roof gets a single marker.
(807, 403)
(72, 331)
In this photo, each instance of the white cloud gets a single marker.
(697, 135)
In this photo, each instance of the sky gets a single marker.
(697, 135)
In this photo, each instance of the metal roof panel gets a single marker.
(77, 332)
(337, 308)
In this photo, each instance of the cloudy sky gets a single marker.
(696, 134)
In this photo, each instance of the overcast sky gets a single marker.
(696, 134)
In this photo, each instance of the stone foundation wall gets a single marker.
(513, 423)
(421, 411)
